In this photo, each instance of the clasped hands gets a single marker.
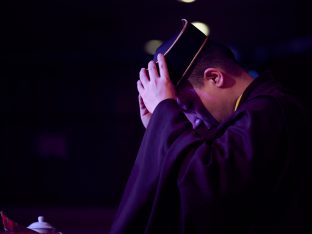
(154, 87)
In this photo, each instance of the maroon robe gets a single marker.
(247, 175)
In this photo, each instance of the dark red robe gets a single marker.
(248, 175)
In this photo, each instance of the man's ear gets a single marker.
(215, 76)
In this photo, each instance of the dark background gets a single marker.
(70, 127)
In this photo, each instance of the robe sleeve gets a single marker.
(181, 176)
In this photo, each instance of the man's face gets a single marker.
(193, 107)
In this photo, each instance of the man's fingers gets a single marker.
(140, 87)
(143, 77)
(152, 70)
(163, 66)
(141, 103)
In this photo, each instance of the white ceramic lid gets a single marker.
(41, 224)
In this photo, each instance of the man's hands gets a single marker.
(154, 87)
(144, 113)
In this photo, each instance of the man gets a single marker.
(222, 153)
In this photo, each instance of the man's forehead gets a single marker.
(184, 86)
(187, 97)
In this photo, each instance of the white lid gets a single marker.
(41, 224)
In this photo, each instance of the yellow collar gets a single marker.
(237, 102)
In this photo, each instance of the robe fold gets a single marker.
(249, 174)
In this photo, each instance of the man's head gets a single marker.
(217, 56)
(216, 79)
